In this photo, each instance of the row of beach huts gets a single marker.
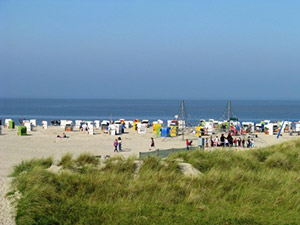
(170, 129)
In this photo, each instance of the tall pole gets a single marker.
(228, 114)
(228, 110)
(182, 118)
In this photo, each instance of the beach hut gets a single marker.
(181, 124)
(105, 125)
(208, 126)
(33, 122)
(6, 122)
(146, 122)
(173, 131)
(45, 124)
(118, 128)
(297, 127)
(22, 130)
(128, 124)
(165, 131)
(156, 125)
(117, 122)
(11, 124)
(248, 127)
(136, 123)
(271, 129)
(287, 126)
(78, 124)
(69, 127)
(215, 125)
(28, 125)
(112, 129)
(91, 130)
(142, 128)
(258, 127)
(97, 124)
(198, 131)
(63, 123)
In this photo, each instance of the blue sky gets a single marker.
(150, 49)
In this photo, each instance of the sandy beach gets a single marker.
(44, 143)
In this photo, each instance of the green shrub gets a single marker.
(26, 166)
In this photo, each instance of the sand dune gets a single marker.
(44, 143)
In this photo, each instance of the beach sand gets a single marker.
(44, 143)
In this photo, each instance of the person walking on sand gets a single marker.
(188, 144)
(120, 144)
(116, 145)
(152, 144)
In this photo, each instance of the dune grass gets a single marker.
(257, 186)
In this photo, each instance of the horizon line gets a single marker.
(177, 99)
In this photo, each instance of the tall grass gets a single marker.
(257, 186)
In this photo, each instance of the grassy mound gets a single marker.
(258, 186)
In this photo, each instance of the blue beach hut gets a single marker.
(165, 131)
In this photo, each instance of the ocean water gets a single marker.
(92, 109)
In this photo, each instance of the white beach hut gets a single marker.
(118, 128)
(28, 125)
(78, 124)
(272, 128)
(45, 124)
(287, 126)
(142, 128)
(181, 124)
(91, 129)
(97, 123)
(33, 122)
(146, 122)
(112, 129)
(6, 122)
(127, 124)
(63, 124)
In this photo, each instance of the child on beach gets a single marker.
(116, 145)
(120, 144)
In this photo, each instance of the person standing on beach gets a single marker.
(222, 140)
(120, 144)
(152, 144)
(211, 141)
(116, 145)
(188, 144)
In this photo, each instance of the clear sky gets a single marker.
(150, 49)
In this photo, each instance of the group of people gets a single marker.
(62, 136)
(118, 142)
(229, 141)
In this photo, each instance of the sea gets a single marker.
(100, 109)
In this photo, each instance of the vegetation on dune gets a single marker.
(257, 186)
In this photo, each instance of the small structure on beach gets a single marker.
(22, 130)
(45, 124)
(165, 131)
